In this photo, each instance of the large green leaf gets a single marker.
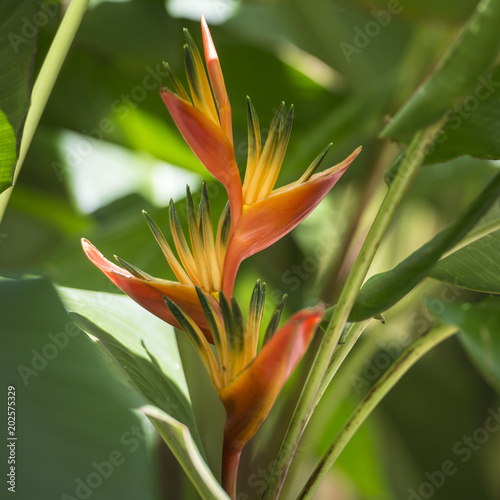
(479, 332)
(145, 350)
(18, 30)
(76, 435)
(178, 437)
(456, 75)
(143, 346)
(383, 290)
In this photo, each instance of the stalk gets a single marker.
(407, 359)
(45, 83)
(317, 381)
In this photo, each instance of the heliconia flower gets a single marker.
(247, 379)
(200, 267)
(260, 214)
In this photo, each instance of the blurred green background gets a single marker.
(106, 149)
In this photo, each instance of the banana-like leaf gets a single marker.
(459, 73)
(73, 434)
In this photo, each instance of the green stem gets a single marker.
(353, 334)
(413, 159)
(407, 359)
(45, 83)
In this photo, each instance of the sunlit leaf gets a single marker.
(145, 350)
(143, 346)
(177, 436)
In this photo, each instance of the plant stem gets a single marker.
(353, 334)
(407, 359)
(230, 463)
(413, 159)
(44, 84)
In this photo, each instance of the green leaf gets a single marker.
(456, 75)
(473, 125)
(143, 346)
(475, 266)
(479, 333)
(385, 289)
(445, 10)
(17, 47)
(72, 416)
(145, 351)
(177, 436)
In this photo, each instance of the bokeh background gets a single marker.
(106, 149)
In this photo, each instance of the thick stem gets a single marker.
(407, 359)
(316, 380)
(230, 464)
(44, 84)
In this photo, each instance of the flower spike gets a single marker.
(248, 382)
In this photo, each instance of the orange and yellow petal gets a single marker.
(248, 399)
(209, 143)
(150, 294)
(269, 219)
(217, 81)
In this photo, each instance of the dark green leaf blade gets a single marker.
(472, 126)
(456, 75)
(18, 31)
(72, 417)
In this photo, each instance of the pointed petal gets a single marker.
(248, 399)
(217, 81)
(271, 218)
(150, 294)
(209, 143)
